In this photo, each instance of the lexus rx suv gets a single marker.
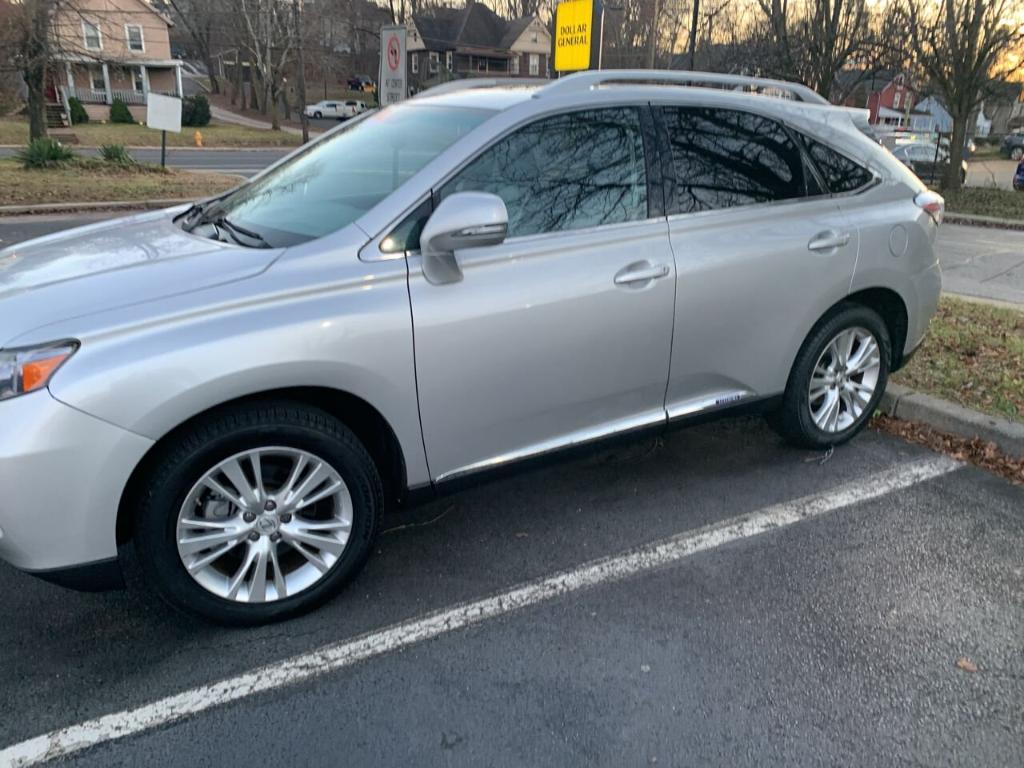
(221, 398)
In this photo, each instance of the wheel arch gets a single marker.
(366, 421)
(893, 310)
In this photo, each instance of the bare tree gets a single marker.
(813, 40)
(205, 22)
(269, 42)
(962, 47)
(26, 48)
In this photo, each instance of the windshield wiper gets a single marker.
(235, 230)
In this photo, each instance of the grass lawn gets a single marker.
(15, 131)
(984, 201)
(87, 180)
(973, 355)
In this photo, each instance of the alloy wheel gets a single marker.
(844, 380)
(264, 524)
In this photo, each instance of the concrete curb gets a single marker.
(982, 221)
(113, 205)
(904, 403)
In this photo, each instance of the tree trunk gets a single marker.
(694, 19)
(35, 81)
(952, 183)
(652, 40)
(301, 83)
(214, 84)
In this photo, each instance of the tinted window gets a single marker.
(723, 158)
(840, 173)
(568, 172)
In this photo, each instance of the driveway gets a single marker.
(836, 626)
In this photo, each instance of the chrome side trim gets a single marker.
(580, 437)
(709, 402)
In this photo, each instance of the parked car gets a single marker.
(225, 396)
(340, 110)
(362, 83)
(1018, 177)
(1013, 146)
(926, 162)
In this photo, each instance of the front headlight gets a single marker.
(30, 368)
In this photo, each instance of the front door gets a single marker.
(761, 252)
(562, 333)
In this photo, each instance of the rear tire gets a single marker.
(296, 538)
(837, 380)
(318, 115)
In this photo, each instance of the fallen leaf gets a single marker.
(966, 664)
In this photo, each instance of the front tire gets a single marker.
(318, 115)
(837, 380)
(1017, 153)
(258, 513)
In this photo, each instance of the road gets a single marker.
(244, 162)
(831, 641)
(980, 262)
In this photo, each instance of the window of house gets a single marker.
(513, 65)
(448, 60)
(840, 173)
(414, 63)
(137, 80)
(91, 35)
(481, 65)
(534, 64)
(724, 158)
(434, 61)
(533, 37)
(133, 34)
(896, 100)
(96, 78)
(572, 171)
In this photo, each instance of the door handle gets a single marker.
(826, 241)
(640, 272)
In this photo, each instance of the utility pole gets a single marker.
(301, 84)
(694, 23)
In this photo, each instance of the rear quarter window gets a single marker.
(840, 173)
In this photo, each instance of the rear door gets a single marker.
(761, 252)
(562, 333)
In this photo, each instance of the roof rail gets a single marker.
(594, 78)
(467, 83)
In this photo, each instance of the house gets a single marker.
(929, 116)
(893, 104)
(110, 49)
(1006, 108)
(473, 41)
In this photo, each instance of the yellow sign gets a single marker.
(573, 32)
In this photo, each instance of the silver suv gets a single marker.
(223, 397)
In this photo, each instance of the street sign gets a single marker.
(392, 64)
(164, 114)
(574, 31)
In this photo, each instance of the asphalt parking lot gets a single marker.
(828, 637)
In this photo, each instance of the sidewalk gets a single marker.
(982, 262)
(227, 116)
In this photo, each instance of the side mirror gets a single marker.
(463, 220)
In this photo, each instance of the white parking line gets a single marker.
(345, 653)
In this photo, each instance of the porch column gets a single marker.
(106, 83)
(70, 73)
(145, 84)
(177, 79)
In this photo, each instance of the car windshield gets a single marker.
(338, 179)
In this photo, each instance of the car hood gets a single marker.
(112, 264)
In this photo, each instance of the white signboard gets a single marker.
(393, 83)
(164, 113)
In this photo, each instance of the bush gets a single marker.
(44, 153)
(195, 111)
(78, 113)
(119, 112)
(116, 153)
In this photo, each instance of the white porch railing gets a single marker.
(89, 95)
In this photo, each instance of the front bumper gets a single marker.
(62, 473)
